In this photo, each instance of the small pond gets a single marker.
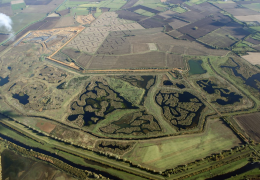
(167, 83)
(195, 67)
(23, 98)
(4, 81)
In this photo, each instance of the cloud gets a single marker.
(6, 24)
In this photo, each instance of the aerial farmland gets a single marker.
(129, 89)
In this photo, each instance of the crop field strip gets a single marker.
(250, 124)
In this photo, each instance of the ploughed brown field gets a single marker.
(251, 124)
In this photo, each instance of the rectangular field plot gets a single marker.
(144, 12)
(241, 12)
(253, 41)
(171, 152)
(147, 60)
(217, 39)
(175, 33)
(253, 6)
(250, 123)
(138, 48)
(201, 27)
(191, 16)
(249, 18)
(123, 14)
(6, 9)
(175, 24)
(175, 61)
(103, 62)
(143, 8)
(129, 4)
(253, 58)
(236, 30)
(115, 43)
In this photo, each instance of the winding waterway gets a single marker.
(60, 158)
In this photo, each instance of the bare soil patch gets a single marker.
(63, 12)
(217, 39)
(175, 61)
(83, 60)
(129, 4)
(176, 24)
(191, 16)
(65, 22)
(147, 60)
(138, 48)
(3, 37)
(104, 9)
(236, 30)
(241, 12)
(124, 14)
(248, 18)
(33, 2)
(250, 123)
(115, 44)
(6, 9)
(45, 126)
(252, 57)
(167, 14)
(85, 19)
(103, 62)
(201, 27)
(144, 8)
(44, 6)
(175, 33)
(253, 41)
(49, 23)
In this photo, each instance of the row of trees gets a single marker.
(214, 157)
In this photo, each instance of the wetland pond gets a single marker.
(4, 81)
(169, 83)
(23, 98)
(252, 81)
(211, 88)
(92, 106)
(195, 67)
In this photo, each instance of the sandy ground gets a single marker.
(252, 57)
(249, 18)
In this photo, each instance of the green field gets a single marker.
(6, 1)
(179, 10)
(221, 170)
(154, 4)
(253, 6)
(175, 151)
(143, 12)
(113, 4)
(22, 20)
(18, 6)
(128, 91)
